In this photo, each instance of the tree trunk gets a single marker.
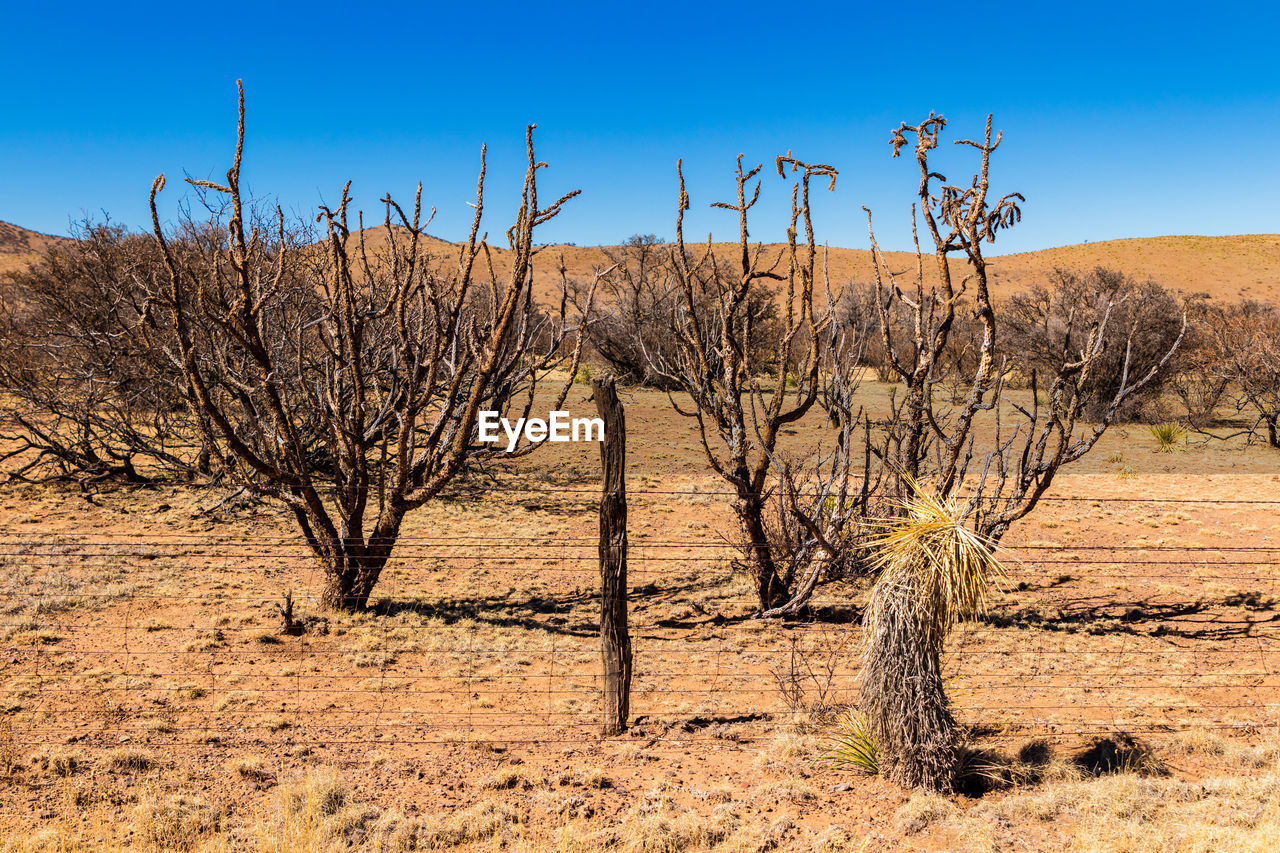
(800, 599)
(615, 641)
(351, 575)
(770, 588)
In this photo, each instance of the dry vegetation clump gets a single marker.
(176, 821)
(923, 811)
(130, 759)
(934, 570)
(1126, 812)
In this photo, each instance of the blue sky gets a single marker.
(1119, 119)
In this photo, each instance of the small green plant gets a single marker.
(856, 746)
(1167, 436)
(583, 376)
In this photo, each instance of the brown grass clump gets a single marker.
(320, 793)
(933, 569)
(177, 822)
(127, 759)
(664, 827)
(921, 812)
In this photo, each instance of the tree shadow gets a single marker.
(1225, 618)
(561, 614)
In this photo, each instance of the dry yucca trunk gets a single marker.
(933, 569)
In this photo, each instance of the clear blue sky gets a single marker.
(1120, 119)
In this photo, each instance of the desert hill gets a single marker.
(1227, 268)
(18, 246)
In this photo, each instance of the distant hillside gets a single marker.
(19, 245)
(1227, 268)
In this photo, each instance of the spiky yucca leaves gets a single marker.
(1167, 436)
(933, 570)
(856, 745)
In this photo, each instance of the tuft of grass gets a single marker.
(321, 793)
(253, 768)
(923, 811)
(178, 822)
(126, 759)
(1167, 435)
(511, 779)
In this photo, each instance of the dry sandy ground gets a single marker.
(147, 699)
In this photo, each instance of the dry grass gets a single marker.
(177, 821)
(483, 651)
(1126, 813)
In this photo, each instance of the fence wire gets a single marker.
(171, 640)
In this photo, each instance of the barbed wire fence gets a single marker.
(484, 640)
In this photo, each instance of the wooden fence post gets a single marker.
(615, 641)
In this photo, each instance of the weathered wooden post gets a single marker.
(615, 641)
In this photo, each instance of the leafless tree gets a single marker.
(630, 311)
(928, 441)
(85, 393)
(1196, 376)
(630, 325)
(739, 410)
(1245, 350)
(936, 326)
(825, 506)
(353, 399)
(1143, 322)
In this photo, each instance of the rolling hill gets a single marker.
(19, 245)
(1227, 268)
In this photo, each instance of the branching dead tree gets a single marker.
(716, 359)
(353, 399)
(1245, 353)
(929, 441)
(928, 446)
(823, 508)
(1195, 376)
(1144, 321)
(630, 325)
(85, 395)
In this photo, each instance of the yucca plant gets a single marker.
(1167, 436)
(856, 745)
(933, 571)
